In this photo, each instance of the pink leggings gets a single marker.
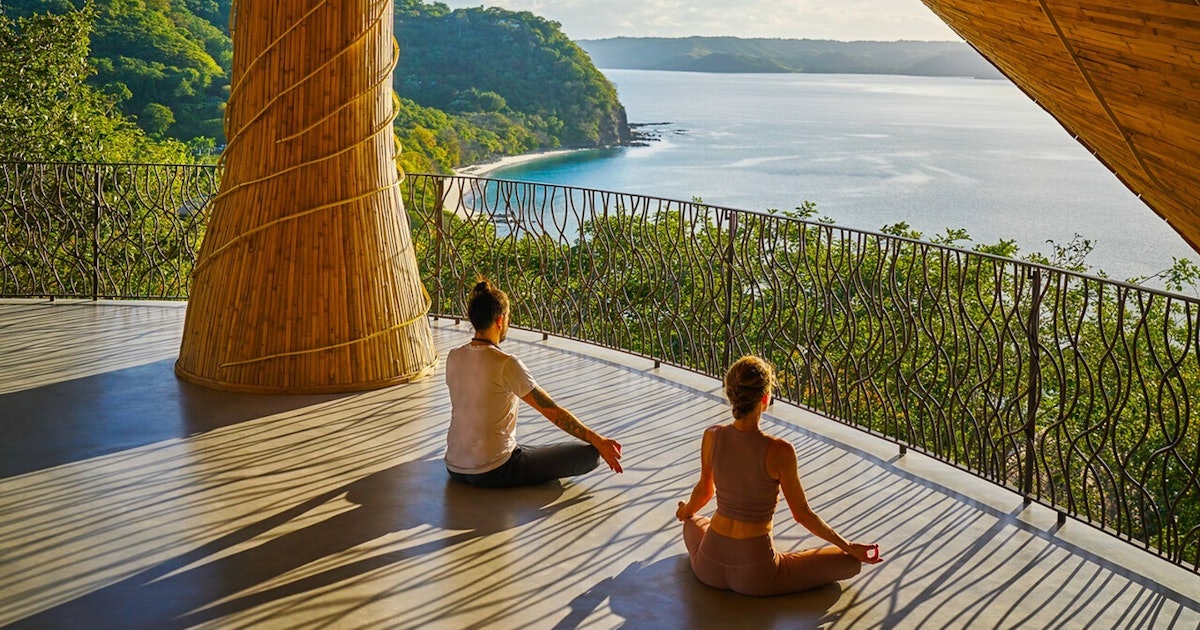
(751, 566)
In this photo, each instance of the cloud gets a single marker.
(816, 19)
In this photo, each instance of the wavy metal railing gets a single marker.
(1074, 391)
(101, 230)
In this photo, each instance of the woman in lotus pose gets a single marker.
(746, 469)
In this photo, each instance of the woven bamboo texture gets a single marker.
(306, 280)
(1122, 75)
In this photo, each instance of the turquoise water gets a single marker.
(870, 151)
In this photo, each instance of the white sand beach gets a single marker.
(456, 189)
(486, 168)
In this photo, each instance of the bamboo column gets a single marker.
(306, 280)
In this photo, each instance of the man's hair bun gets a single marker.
(486, 305)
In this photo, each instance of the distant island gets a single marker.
(735, 54)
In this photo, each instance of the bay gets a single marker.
(870, 151)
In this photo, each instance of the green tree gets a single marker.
(474, 100)
(156, 119)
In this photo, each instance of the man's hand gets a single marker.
(610, 451)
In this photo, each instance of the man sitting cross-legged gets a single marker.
(485, 383)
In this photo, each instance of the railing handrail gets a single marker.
(852, 230)
(863, 231)
(110, 164)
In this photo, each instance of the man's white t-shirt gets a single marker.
(486, 385)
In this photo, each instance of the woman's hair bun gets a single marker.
(482, 287)
(746, 382)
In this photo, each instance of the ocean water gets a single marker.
(871, 151)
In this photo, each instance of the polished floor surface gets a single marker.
(129, 499)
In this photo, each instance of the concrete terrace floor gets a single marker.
(131, 499)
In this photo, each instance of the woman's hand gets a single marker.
(683, 513)
(867, 554)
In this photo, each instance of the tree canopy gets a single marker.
(156, 54)
(49, 111)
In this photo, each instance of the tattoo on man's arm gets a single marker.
(570, 424)
(543, 399)
(564, 419)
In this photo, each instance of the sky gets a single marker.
(886, 20)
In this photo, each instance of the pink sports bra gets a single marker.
(744, 490)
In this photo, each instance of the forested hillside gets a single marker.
(734, 54)
(48, 109)
(474, 83)
(496, 66)
(163, 63)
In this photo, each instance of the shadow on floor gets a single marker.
(210, 582)
(98, 415)
(666, 594)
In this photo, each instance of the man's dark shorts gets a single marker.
(532, 465)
